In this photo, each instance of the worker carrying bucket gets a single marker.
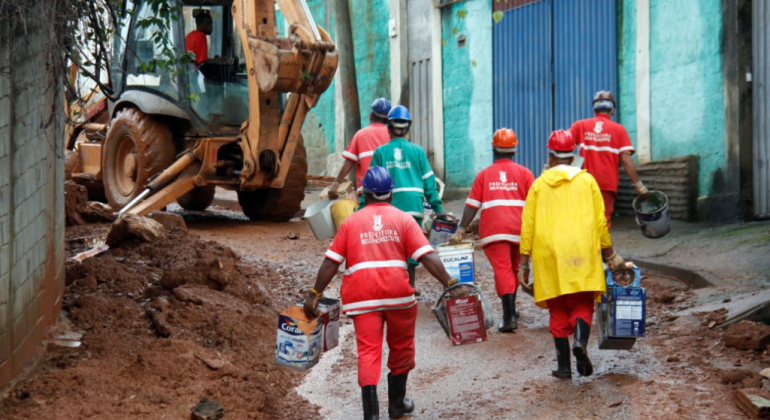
(567, 247)
(376, 241)
(603, 142)
(652, 215)
(499, 191)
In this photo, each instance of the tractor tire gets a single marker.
(279, 204)
(136, 148)
(199, 199)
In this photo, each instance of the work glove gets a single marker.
(333, 194)
(458, 236)
(311, 304)
(523, 278)
(618, 266)
(459, 292)
(641, 190)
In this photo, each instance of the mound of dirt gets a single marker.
(164, 326)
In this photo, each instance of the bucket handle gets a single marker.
(449, 218)
(455, 286)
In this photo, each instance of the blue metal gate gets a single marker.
(549, 58)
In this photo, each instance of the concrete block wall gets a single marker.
(686, 83)
(31, 195)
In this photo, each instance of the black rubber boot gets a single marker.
(410, 269)
(371, 405)
(580, 348)
(398, 405)
(510, 323)
(564, 370)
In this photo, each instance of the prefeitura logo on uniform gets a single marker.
(598, 127)
(503, 176)
(377, 226)
(398, 153)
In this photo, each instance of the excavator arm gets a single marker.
(301, 64)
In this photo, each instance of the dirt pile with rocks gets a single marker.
(164, 325)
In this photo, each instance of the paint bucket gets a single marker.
(621, 314)
(653, 215)
(319, 217)
(458, 261)
(440, 310)
(341, 210)
(442, 228)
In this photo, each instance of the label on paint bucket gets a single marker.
(466, 320)
(299, 341)
(458, 261)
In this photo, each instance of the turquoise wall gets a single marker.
(467, 81)
(686, 81)
(372, 57)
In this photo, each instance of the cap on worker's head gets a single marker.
(505, 140)
(604, 100)
(378, 182)
(562, 144)
(381, 107)
(399, 117)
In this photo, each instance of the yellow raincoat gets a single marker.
(564, 230)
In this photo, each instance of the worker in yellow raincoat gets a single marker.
(564, 232)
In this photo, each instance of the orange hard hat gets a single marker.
(505, 138)
(561, 143)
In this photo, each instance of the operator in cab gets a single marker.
(195, 41)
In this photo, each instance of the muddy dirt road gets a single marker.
(682, 370)
(162, 326)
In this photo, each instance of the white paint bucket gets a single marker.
(319, 216)
(652, 215)
(458, 261)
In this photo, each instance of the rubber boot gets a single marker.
(510, 323)
(371, 405)
(564, 371)
(398, 405)
(410, 269)
(580, 348)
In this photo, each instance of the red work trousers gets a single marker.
(504, 257)
(609, 206)
(566, 309)
(400, 335)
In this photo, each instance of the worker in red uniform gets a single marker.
(195, 41)
(361, 149)
(376, 241)
(500, 191)
(603, 142)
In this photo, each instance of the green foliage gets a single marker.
(462, 14)
(455, 31)
(498, 16)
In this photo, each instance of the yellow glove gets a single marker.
(458, 236)
(311, 304)
(523, 278)
(641, 190)
(459, 292)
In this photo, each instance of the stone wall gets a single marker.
(686, 83)
(31, 194)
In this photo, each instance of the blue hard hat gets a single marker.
(377, 180)
(381, 107)
(399, 117)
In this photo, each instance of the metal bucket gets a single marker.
(440, 309)
(652, 215)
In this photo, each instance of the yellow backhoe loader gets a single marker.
(155, 144)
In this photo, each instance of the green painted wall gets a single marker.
(467, 81)
(372, 57)
(686, 82)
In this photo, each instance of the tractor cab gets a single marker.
(211, 92)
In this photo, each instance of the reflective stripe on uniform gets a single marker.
(375, 264)
(334, 256)
(349, 156)
(409, 189)
(428, 175)
(421, 252)
(473, 203)
(500, 237)
(608, 149)
(502, 203)
(378, 305)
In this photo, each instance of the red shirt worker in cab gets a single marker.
(196, 41)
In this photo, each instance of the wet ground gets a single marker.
(164, 326)
(677, 371)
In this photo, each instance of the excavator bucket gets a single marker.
(283, 65)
